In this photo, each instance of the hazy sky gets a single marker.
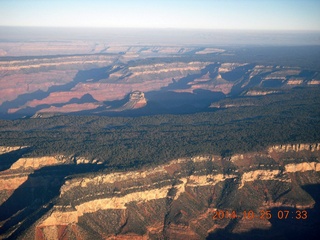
(204, 14)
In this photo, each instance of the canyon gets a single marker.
(124, 136)
(168, 201)
(173, 78)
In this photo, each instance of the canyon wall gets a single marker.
(177, 200)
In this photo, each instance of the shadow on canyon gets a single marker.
(160, 102)
(7, 159)
(82, 76)
(177, 98)
(36, 196)
(30, 111)
(290, 228)
(167, 100)
(163, 101)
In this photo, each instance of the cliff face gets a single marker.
(136, 100)
(7, 149)
(177, 200)
(36, 163)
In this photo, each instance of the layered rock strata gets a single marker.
(177, 200)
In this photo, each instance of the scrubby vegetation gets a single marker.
(293, 116)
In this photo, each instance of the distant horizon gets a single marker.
(283, 15)
(161, 36)
(166, 28)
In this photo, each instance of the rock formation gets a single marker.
(177, 200)
(136, 100)
(59, 84)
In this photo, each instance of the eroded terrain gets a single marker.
(109, 140)
(172, 78)
(169, 201)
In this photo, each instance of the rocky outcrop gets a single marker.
(283, 74)
(227, 67)
(38, 162)
(170, 69)
(295, 81)
(260, 93)
(60, 218)
(69, 108)
(56, 62)
(314, 82)
(230, 105)
(210, 50)
(12, 182)
(302, 167)
(7, 149)
(295, 147)
(136, 100)
(263, 175)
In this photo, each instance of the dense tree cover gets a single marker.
(290, 117)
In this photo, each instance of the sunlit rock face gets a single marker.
(36, 163)
(136, 100)
(176, 200)
(8, 149)
(314, 82)
(259, 93)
